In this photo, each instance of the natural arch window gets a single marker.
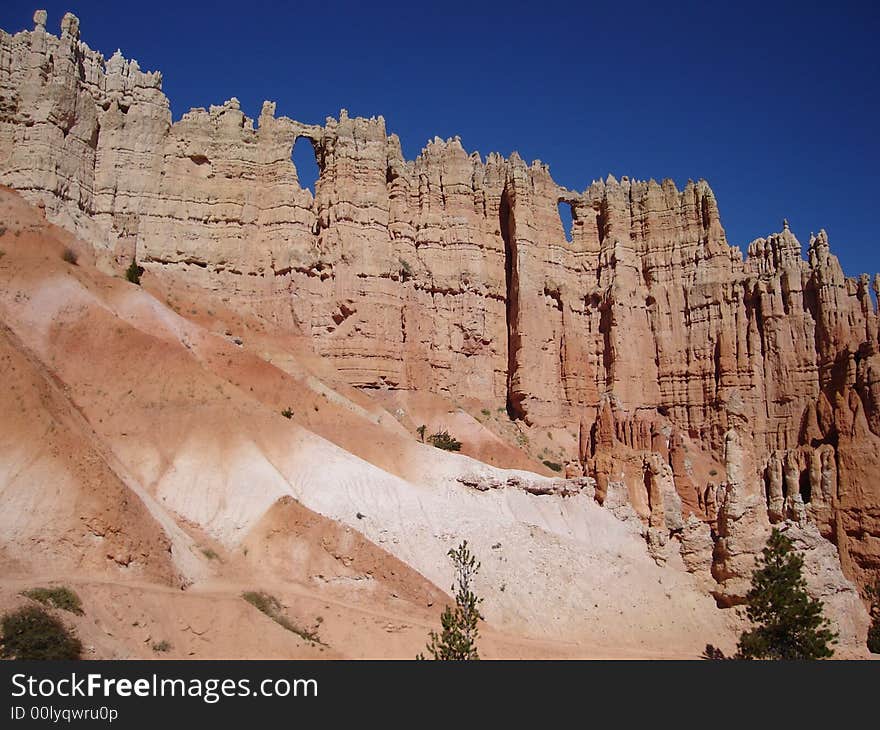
(567, 217)
(306, 163)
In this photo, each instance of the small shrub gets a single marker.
(271, 606)
(486, 412)
(406, 271)
(421, 432)
(287, 413)
(210, 554)
(70, 256)
(263, 602)
(60, 597)
(713, 472)
(443, 440)
(133, 273)
(32, 632)
(555, 466)
(162, 646)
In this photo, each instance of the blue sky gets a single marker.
(776, 104)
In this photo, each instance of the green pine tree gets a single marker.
(458, 639)
(788, 623)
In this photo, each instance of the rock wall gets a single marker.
(452, 272)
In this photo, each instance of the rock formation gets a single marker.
(647, 334)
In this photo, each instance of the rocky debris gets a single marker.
(537, 485)
(657, 540)
(697, 547)
(451, 273)
(617, 502)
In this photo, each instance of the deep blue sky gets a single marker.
(777, 105)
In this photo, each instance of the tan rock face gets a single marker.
(452, 273)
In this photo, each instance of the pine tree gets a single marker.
(457, 640)
(788, 623)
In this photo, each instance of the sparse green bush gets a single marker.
(486, 412)
(406, 271)
(70, 256)
(458, 639)
(271, 606)
(32, 632)
(444, 440)
(421, 432)
(210, 554)
(133, 272)
(60, 597)
(263, 602)
(555, 466)
(162, 646)
(287, 413)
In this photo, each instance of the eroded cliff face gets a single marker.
(452, 273)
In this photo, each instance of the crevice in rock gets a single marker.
(606, 317)
(602, 222)
(511, 276)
